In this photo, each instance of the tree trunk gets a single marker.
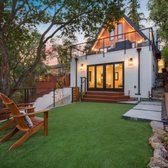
(5, 71)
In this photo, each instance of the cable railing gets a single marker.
(124, 41)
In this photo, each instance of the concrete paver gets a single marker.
(149, 111)
(148, 107)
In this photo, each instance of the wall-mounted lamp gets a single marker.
(81, 67)
(130, 62)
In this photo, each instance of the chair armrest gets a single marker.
(24, 104)
(29, 114)
(26, 108)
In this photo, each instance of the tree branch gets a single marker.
(64, 24)
(1, 11)
(13, 9)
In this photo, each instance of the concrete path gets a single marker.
(149, 111)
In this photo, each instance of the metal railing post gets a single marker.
(54, 97)
(85, 84)
(81, 87)
(103, 48)
(25, 95)
(124, 44)
(149, 40)
(28, 95)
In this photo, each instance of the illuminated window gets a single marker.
(112, 35)
(91, 76)
(120, 30)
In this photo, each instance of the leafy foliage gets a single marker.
(133, 14)
(164, 139)
(19, 40)
(60, 49)
(165, 53)
(159, 14)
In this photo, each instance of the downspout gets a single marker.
(76, 73)
(139, 75)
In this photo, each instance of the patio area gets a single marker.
(84, 135)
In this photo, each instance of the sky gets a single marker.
(143, 8)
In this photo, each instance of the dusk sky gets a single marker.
(143, 9)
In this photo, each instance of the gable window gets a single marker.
(120, 30)
(111, 35)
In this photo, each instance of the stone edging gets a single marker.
(160, 153)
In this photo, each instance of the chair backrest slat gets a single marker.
(14, 111)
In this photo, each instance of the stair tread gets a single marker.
(103, 100)
(101, 96)
(110, 96)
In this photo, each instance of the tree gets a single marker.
(60, 49)
(165, 54)
(159, 14)
(133, 14)
(19, 19)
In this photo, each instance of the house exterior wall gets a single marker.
(147, 74)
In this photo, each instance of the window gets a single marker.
(91, 76)
(112, 35)
(120, 30)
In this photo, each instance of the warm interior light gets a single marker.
(81, 67)
(161, 65)
(94, 49)
(130, 62)
(140, 41)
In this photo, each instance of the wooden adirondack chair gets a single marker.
(11, 122)
(21, 124)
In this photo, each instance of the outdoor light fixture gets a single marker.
(130, 62)
(81, 67)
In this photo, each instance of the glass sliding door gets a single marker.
(109, 76)
(106, 77)
(118, 76)
(99, 76)
(91, 76)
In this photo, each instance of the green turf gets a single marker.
(83, 135)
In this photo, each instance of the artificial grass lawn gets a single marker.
(83, 135)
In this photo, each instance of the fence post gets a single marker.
(25, 95)
(28, 90)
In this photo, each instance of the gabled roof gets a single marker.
(130, 23)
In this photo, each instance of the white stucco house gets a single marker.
(123, 60)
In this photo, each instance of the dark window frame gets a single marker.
(107, 89)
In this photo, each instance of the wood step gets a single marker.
(99, 96)
(104, 93)
(105, 96)
(104, 100)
